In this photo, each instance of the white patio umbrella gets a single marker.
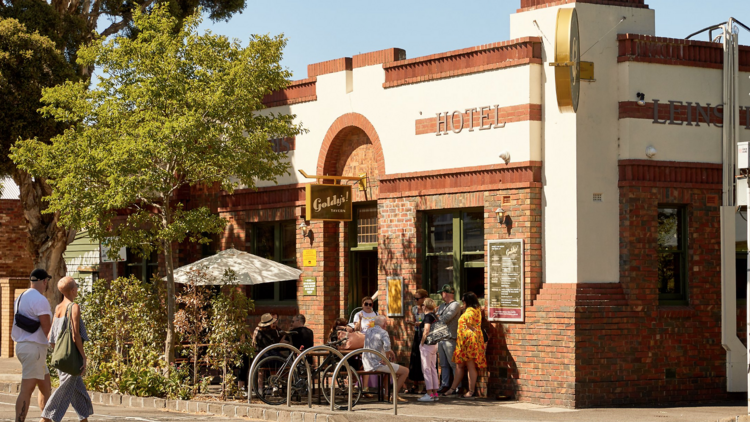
(250, 269)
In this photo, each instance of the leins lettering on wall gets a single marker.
(488, 119)
(690, 113)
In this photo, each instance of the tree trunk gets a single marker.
(47, 241)
(169, 343)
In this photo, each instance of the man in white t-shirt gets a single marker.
(31, 346)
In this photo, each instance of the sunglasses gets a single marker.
(368, 304)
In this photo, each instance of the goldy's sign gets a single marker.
(328, 202)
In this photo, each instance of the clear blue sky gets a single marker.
(325, 30)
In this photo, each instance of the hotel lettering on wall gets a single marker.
(690, 113)
(505, 281)
(328, 202)
(488, 119)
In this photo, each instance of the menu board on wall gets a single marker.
(505, 290)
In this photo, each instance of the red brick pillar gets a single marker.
(10, 289)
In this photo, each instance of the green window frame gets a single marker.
(672, 255)
(363, 229)
(276, 241)
(454, 246)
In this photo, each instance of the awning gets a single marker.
(250, 269)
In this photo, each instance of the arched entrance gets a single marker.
(352, 148)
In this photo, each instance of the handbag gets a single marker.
(23, 322)
(355, 340)
(438, 332)
(66, 357)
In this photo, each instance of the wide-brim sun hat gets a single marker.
(266, 320)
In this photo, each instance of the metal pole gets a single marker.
(359, 352)
(309, 376)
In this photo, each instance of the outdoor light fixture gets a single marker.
(500, 215)
(304, 228)
(505, 156)
(650, 151)
(641, 99)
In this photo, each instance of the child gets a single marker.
(429, 353)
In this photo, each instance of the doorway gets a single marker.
(364, 277)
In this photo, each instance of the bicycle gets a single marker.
(272, 375)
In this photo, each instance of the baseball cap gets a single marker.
(39, 274)
(447, 288)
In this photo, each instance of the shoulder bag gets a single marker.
(23, 322)
(66, 357)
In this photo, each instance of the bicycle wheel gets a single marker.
(342, 387)
(269, 380)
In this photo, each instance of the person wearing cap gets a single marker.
(448, 314)
(32, 308)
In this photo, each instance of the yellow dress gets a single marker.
(470, 342)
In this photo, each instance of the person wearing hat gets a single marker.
(31, 326)
(266, 334)
(448, 313)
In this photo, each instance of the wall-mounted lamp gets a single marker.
(305, 229)
(505, 156)
(641, 99)
(650, 152)
(500, 215)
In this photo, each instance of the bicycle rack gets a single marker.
(255, 362)
(351, 384)
(309, 375)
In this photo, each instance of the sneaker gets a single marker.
(435, 398)
(426, 397)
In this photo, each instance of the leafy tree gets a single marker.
(42, 52)
(173, 108)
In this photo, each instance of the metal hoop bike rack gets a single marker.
(351, 384)
(309, 375)
(256, 361)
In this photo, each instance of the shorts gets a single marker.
(33, 357)
(384, 368)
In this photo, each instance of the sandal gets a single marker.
(469, 395)
(449, 392)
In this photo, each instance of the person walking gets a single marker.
(448, 313)
(415, 360)
(470, 348)
(428, 353)
(72, 390)
(31, 325)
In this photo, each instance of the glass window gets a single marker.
(277, 242)
(143, 268)
(367, 225)
(672, 255)
(454, 251)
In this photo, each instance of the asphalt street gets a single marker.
(110, 413)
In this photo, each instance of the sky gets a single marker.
(324, 30)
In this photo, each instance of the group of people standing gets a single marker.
(463, 352)
(35, 330)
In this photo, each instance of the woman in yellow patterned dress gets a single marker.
(469, 355)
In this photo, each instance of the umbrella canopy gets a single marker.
(250, 269)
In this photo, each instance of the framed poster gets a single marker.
(395, 296)
(505, 280)
(328, 202)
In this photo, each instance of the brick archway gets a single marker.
(329, 151)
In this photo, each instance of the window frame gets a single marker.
(278, 251)
(676, 299)
(142, 265)
(354, 229)
(460, 257)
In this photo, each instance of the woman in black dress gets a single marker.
(415, 360)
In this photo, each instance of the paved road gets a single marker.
(111, 413)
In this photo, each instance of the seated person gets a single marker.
(302, 337)
(377, 339)
(338, 332)
(266, 334)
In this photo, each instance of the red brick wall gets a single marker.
(643, 352)
(15, 260)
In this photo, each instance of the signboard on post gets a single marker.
(505, 289)
(328, 202)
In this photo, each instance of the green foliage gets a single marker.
(29, 62)
(229, 333)
(192, 318)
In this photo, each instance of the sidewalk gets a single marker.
(10, 370)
